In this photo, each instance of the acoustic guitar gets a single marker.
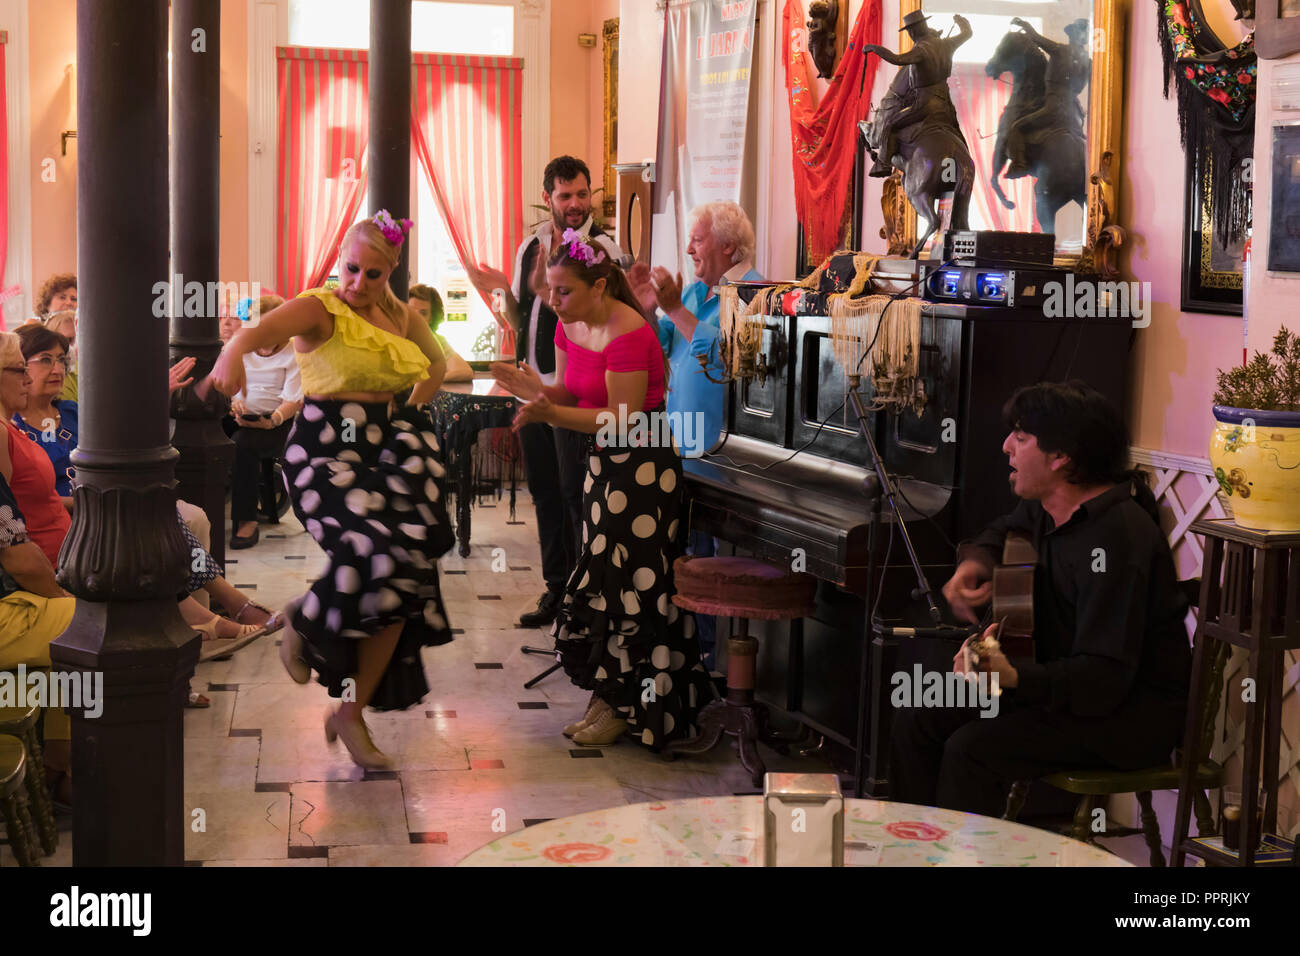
(1013, 605)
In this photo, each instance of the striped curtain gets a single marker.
(323, 130)
(980, 100)
(466, 127)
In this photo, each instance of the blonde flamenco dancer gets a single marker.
(364, 479)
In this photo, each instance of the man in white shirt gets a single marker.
(553, 457)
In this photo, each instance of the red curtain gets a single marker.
(323, 128)
(466, 131)
(825, 135)
(466, 127)
(980, 100)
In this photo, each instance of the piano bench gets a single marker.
(742, 588)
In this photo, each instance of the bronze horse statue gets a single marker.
(915, 129)
(934, 160)
(1057, 159)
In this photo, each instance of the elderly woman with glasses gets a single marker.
(48, 420)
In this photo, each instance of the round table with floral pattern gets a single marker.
(728, 831)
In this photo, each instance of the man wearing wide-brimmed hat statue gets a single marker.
(919, 92)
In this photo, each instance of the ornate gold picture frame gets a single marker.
(1105, 131)
(610, 70)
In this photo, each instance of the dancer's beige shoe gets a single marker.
(363, 750)
(605, 729)
(594, 710)
(291, 649)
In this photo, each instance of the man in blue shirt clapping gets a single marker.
(721, 247)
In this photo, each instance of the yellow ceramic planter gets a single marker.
(1256, 459)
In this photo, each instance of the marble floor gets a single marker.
(480, 757)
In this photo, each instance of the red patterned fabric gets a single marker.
(825, 135)
(324, 125)
(466, 128)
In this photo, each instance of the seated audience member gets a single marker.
(1106, 685)
(48, 420)
(721, 247)
(59, 292)
(34, 610)
(23, 462)
(65, 323)
(263, 415)
(26, 464)
(428, 303)
(228, 324)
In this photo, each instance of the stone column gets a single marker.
(125, 558)
(389, 151)
(206, 453)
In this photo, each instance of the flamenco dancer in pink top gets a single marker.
(618, 632)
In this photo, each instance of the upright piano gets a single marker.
(792, 481)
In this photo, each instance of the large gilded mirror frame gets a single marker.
(1105, 128)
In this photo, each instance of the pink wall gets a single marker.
(1174, 359)
(1272, 298)
(577, 86)
(52, 51)
(234, 142)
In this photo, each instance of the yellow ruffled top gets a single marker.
(358, 357)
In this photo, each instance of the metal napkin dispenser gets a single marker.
(803, 820)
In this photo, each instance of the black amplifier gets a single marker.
(1010, 288)
(1010, 249)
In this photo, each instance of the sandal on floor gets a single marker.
(198, 701)
(209, 630)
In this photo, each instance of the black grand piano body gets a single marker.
(813, 512)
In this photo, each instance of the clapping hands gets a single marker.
(522, 382)
(655, 289)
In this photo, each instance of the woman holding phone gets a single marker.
(263, 414)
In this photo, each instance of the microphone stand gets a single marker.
(880, 637)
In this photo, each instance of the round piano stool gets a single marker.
(13, 802)
(22, 722)
(742, 588)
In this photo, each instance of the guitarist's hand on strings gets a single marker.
(991, 661)
(970, 587)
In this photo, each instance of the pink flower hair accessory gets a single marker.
(394, 230)
(580, 250)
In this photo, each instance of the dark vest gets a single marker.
(546, 318)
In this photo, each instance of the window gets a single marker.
(475, 28)
(465, 28)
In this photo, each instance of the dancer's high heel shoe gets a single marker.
(291, 649)
(363, 750)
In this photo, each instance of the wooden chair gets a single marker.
(13, 802)
(1094, 786)
(22, 722)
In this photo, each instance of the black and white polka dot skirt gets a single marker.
(618, 632)
(368, 489)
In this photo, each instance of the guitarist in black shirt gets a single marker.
(1107, 685)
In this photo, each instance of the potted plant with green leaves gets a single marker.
(1255, 448)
